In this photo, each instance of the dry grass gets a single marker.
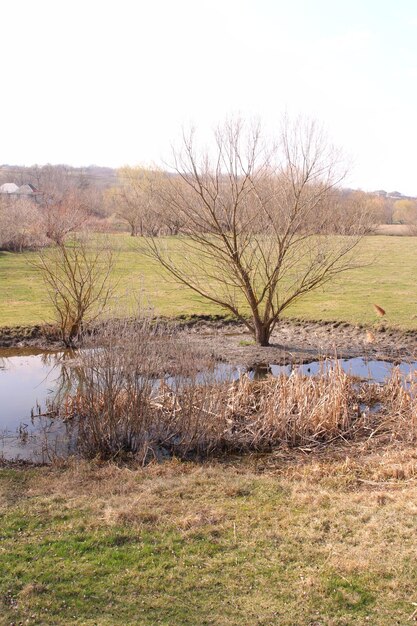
(265, 539)
(114, 404)
(396, 230)
(121, 411)
(292, 410)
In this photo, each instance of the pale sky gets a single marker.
(113, 82)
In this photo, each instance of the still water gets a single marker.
(30, 380)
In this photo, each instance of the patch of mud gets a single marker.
(40, 336)
(301, 342)
(293, 341)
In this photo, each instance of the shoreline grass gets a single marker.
(387, 280)
(307, 540)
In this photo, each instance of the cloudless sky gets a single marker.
(112, 82)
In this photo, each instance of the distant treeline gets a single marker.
(56, 200)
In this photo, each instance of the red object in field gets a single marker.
(379, 310)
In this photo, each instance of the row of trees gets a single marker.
(67, 200)
(143, 201)
(138, 200)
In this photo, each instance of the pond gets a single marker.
(30, 380)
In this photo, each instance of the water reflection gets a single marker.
(30, 382)
(260, 371)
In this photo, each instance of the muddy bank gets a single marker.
(40, 336)
(47, 336)
(300, 341)
(293, 341)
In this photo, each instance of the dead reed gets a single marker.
(119, 373)
(125, 407)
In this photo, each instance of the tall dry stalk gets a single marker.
(124, 365)
(142, 395)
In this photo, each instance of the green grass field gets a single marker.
(388, 279)
(180, 544)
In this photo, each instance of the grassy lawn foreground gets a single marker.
(388, 280)
(323, 543)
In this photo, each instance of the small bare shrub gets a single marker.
(20, 226)
(77, 276)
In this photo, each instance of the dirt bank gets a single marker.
(292, 341)
(299, 341)
(40, 336)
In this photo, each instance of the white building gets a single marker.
(9, 188)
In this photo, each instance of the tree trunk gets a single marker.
(73, 334)
(262, 333)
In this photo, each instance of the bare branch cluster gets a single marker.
(64, 200)
(77, 278)
(20, 225)
(257, 219)
(59, 201)
(136, 200)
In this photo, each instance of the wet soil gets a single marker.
(301, 342)
(41, 337)
(293, 341)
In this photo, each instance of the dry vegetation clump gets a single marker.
(20, 225)
(120, 374)
(295, 409)
(396, 405)
(141, 394)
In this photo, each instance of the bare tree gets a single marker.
(78, 282)
(135, 200)
(348, 208)
(256, 220)
(20, 225)
(64, 199)
(405, 212)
